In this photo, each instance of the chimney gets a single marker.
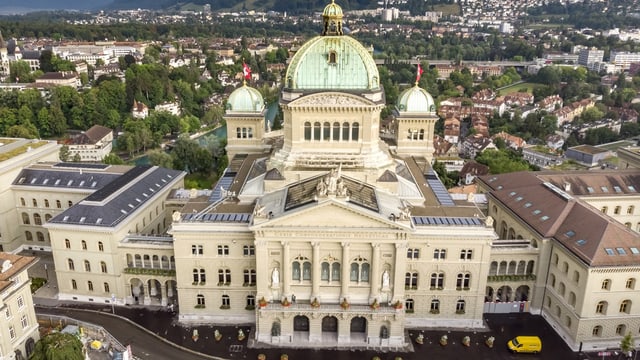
(567, 187)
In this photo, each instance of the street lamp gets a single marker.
(113, 304)
(46, 272)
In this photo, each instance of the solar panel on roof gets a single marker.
(441, 193)
(81, 165)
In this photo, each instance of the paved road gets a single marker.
(143, 344)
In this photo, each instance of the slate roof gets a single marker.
(92, 136)
(592, 236)
(52, 176)
(116, 201)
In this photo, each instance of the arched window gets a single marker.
(604, 209)
(200, 300)
(601, 308)
(251, 302)
(106, 288)
(90, 285)
(47, 217)
(29, 236)
(332, 57)
(70, 264)
(100, 246)
(411, 281)
(22, 202)
(460, 307)
(40, 236)
(437, 281)
(84, 245)
(87, 266)
(335, 131)
(74, 284)
(226, 302)
(58, 204)
(103, 267)
(597, 331)
(621, 329)
(35, 203)
(435, 306)
(409, 305)
(359, 270)
(561, 289)
(625, 306)
(630, 284)
(345, 131)
(307, 131)
(493, 268)
(249, 277)
(316, 131)
(25, 219)
(606, 284)
(46, 203)
(224, 277)
(463, 281)
(572, 298)
(355, 131)
(630, 210)
(326, 131)
(306, 270)
(295, 271)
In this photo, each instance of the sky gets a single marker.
(52, 4)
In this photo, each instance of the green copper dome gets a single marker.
(332, 62)
(416, 100)
(245, 99)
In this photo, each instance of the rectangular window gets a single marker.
(7, 313)
(20, 302)
(223, 250)
(249, 250)
(440, 254)
(24, 322)
(197, 250)
(466, 254)
(12, 333)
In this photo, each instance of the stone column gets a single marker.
(263, 273)
(399, 268)
(345, 278)
(163, 295)
(315, 271)
(375, 276)
(286, 270)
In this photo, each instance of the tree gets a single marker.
(113, 159)
(58, 346)
(161, 159)
(627, 345)
(502, 161)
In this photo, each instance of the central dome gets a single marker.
(332, 63)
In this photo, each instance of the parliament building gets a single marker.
(323, 235)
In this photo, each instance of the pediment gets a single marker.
(330, 99)
(331, 214)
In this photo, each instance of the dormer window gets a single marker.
(332, 57)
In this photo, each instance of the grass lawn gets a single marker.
(447, 9)
(199, 181)
(522, 87)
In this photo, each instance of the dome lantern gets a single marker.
(332, 19)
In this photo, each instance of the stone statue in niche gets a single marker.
(385, 279)
(275, 277)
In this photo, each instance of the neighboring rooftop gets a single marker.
(11, 265)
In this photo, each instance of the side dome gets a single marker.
(416, 100)
(245, 99)
(332, 62)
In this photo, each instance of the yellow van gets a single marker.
(525, 344)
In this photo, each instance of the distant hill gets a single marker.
(291, 6)
(53, 5)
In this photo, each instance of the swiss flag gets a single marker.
(246, 71)
(419, 73)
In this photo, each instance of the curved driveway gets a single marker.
(144, 344)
